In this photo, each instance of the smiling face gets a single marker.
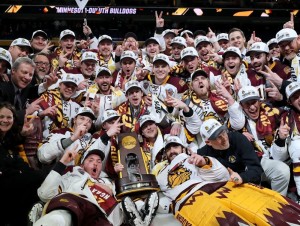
(221, 142)
(237, 39)
(274, 50)
(203, 49)
(172, 150)
(87, 68)
(287, 49)
(128, 66)
(42, 66)
(38, 42)
(176, 50)
(190, 63)
(251, 108)
(22, 76)
(6, 120)
(168, 39)
(104, 80)
(18, 51)
(258, 61)
(93, 165)
(232, 63)
(67, 89)
(67, 44)
(105, 47)
(152, 49)
(149, 130)
(160, 70)
(135, 96)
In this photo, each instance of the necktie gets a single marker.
(17, 100)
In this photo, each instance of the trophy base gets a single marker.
(125, 187)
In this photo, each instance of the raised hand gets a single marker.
(272, 76)
(50, 111)
(28, 127)
(34, 106)
(69, 155)
(118, 167)
(62, 59)
(284, 130)
(234, 177)
(196, 160)
(159, 20)
(290, 23)
(79, 132)
(115, 129)
(274, 93)
(47, 48)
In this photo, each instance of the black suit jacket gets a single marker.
(7, 94)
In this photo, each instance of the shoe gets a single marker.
(131, 212)
(35, 212)
(150, 208)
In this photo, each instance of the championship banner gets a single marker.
(134, 179)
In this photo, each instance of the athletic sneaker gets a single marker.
(150, 208)
(131, 212)
(35, 212)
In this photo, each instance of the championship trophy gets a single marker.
(135, 180)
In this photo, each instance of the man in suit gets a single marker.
(18, 89)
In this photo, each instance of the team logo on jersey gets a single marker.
(178, 176)
(232, 159)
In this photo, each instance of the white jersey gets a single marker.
(76, 182)
(175, 177)
(52, 148)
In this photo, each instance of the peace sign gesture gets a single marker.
(159, 20)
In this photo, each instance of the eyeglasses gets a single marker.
(39, 63)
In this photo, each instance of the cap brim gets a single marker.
(173, 143)
(69, 82)
(224, 54)
(287, 39)
(96, 152)
(110, 118)
(89, 114)
(258, 51)
(249, 98)
(133, 87)
(148, 41)
(217, 133)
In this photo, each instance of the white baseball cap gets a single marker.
(86, 111)
(65, 33)
(146, 118)
(88, 55)
(272, 41)
(211, 129)
(151, 40)
(101, 70)
(222, 36)
(179, 40)
(186, 32)
(109, 114)
(173, 140)
(188, 51)
(286, 34)
(132, 83)
(292, 88)
(233, 49)
(90, 152)
(70, 78)
(248, 93)
(21, 42)
(161, 57)
(259, 47)
(5, 55)
(104, 37)
(128, 54)
(167, 31)
(39, 32)
(200, 39)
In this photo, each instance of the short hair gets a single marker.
(22, 60)
(40, 54)
(236, 29)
